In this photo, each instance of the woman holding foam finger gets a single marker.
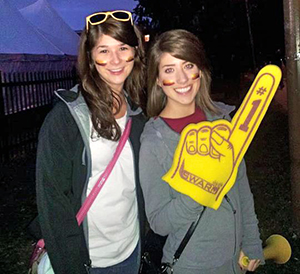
(178, 95)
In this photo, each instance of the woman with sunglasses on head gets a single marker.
(77, 141)
(178, 95)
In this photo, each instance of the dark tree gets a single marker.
(223, 26)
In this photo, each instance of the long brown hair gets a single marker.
(183, 45)
(100, 98)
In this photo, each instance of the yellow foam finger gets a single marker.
(252, 110)
(201, 175)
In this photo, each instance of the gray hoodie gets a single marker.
(221, 234)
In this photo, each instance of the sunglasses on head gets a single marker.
(100, 17)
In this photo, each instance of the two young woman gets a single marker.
(80, 135)
(76, 143)
(178, 94)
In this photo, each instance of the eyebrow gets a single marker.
(169, 65)
(107, 46)
(173, 65)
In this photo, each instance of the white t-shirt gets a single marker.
(112, 219)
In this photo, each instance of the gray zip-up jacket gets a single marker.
(221, 234)
(62, 174)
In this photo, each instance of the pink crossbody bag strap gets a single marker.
(101, 181)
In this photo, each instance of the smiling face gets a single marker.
(114, 61)
(180, 81)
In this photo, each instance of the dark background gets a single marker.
(239, 40)
(238, 34)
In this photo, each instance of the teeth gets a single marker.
(116, 70)
(183, 90)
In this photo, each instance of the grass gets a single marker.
(269, 175)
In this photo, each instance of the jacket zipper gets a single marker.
(234, 216)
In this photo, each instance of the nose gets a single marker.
(182, 78)
(115, 58)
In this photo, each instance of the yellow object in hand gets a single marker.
(277, 249)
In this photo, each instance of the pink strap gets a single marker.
(102, 179)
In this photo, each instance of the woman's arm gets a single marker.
(57, 218)
(164, 212)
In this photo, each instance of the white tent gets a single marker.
(52, 26)
(19, 36)
(24, 47)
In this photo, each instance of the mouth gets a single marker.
(184, 89)
(117, 71)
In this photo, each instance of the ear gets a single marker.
(158, 82)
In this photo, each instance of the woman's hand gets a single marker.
(252, 264)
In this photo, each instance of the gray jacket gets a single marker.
(220, 234)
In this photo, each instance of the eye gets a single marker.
(189, 65)
(169, 70)
(103, 51)
(124, 48)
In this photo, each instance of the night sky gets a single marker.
(75, 11)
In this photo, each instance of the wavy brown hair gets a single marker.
(100, 98)
(183, 45)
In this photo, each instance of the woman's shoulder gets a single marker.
(68, 95)
(223, 107)
(65, 99)
(155, 131)
(151, 126)
(58, 118)
(58, 113)
(224, 111)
